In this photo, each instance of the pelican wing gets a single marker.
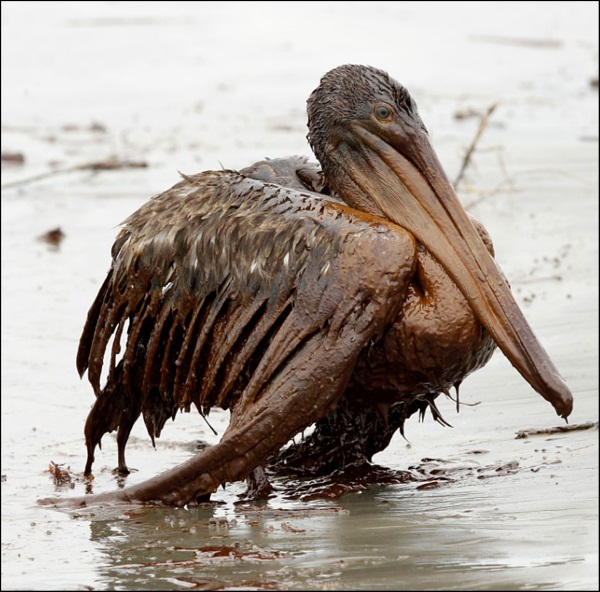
(225, 287)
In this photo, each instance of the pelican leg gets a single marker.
(111, 411)
(129, 417)
(258, 485)
(104, 417)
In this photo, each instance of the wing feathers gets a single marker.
(221, 281)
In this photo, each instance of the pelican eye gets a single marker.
(383, 113)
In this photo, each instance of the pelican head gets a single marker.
(365, 130)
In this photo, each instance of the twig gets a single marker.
(589, 425)
(467, 159)
(100, 165)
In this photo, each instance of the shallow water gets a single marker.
(171, 86)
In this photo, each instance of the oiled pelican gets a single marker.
(253, 291)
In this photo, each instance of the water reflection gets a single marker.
(385, 537)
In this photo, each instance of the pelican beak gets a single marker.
(401, 174)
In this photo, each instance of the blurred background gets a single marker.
(210, 83)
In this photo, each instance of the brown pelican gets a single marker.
(349, 298)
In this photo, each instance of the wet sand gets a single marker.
(191, 87)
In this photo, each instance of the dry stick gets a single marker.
(102, 165)
(467, 159)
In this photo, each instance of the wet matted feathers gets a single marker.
(219, 281)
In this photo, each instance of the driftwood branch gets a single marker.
(109, 164)
(483, 122)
